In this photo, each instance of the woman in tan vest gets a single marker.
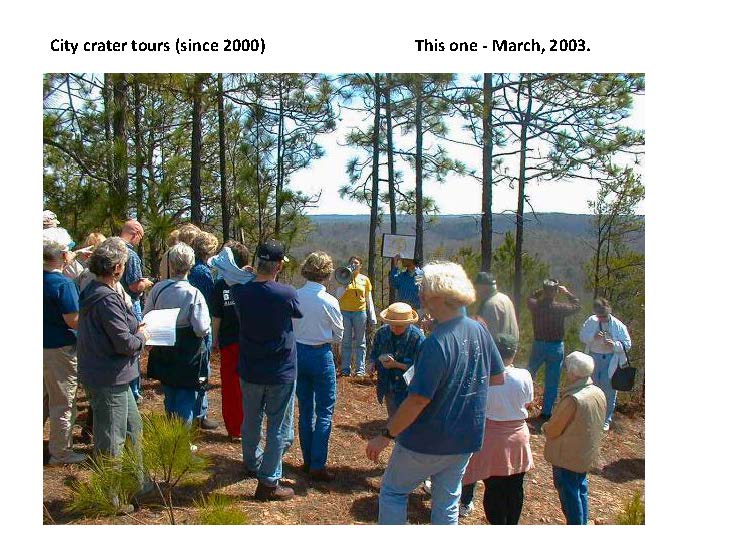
(573, 436)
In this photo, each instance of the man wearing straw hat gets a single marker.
(393, 353)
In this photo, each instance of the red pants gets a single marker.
(231, 390)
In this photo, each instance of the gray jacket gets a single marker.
(107, 344)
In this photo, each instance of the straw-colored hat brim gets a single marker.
(406, 321)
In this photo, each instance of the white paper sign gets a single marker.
(398, 244)
(408, 375)
(160, 325)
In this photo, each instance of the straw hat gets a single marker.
(399, 314)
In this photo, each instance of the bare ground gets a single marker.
(353, 497)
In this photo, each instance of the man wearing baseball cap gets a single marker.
(267, 365)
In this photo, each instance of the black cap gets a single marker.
(271, 250)
(506, 344)
(485, 278)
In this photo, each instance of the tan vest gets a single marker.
(577, 447)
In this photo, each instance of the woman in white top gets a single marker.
(505, 455)
(320, 326)
(607, 341)
(182, 369)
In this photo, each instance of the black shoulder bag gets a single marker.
(623, 378)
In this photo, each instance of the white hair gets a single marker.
(448, 280)
(181, 259)
(55, 241)
(579, 365)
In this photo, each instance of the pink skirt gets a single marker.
(505, 451)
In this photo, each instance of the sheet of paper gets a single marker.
(408, 375)
(160, 324)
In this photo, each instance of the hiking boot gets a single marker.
(606, 426)
(206, 424)
(69, 458)
(251, 474)
(273, 492)
(466, 510)
(321, 474)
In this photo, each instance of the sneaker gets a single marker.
(465, 511)
(277, 492)
(427, 486)
(606, 426)
(234, 439)
(193, 448)
(122, 508)
(69, 458)
(206, 424)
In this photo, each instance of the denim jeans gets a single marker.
(135, 384)
(603, 381)
(201, 405)
(354, 335)
(407, 470)
(550, 353)
(316, 393)
(181, 402)
(573, 492)
(277, 402)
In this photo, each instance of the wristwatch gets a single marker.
(386, 434)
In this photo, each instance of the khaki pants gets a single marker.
(59, 397)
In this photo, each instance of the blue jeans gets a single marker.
(354, 323)
(573, 492)
(277, 402)
(201, 405)
(550, 353)
(603, 381)
(407, 470)
(135, 384)
(181, 402)
(316, 393)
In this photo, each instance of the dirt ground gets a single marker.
(353, 497)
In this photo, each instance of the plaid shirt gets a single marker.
(404, 349)
(548, 317)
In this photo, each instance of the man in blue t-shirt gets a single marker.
(60, 366)
(441, 422)
(267, 365)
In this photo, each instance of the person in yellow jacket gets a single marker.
(356, 304)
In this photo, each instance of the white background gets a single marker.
(680, 46)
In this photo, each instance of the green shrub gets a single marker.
(633, 512)
(110, 487)
(217, 509)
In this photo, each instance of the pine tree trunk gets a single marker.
(196, 212)
(391, 169)
(119, 128)
(279, 162)
(419, 172)
(519, 231)
(487, 189)
(138, 157)
(225, 213)
(375, 182)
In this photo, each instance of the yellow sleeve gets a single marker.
(368, 285)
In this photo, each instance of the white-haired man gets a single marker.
(441, 422)
(573, 437)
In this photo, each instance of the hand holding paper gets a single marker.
(160, 326)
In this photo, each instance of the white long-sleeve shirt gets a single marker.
(322, 320)
(616, 331)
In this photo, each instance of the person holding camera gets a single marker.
(607, 341)
(548, 323)
(394, 352)
(406, 281)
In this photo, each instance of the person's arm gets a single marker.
(200, 316)
(113, 314)
(371, 308)
(532, 301)
(407, 412)
(588, 331)
(335, 316)
(216, 330)
(561, 418)
(573, 304)
(72, 320)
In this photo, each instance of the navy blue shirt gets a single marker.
(406, 285)
(60, 296)
(221, 306)
(452, 370)
(132, 273)
(201, 278)
(268, 351)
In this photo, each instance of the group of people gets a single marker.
(456, 405)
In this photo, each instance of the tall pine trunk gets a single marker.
(138, 156)
(375, 182)
(279, 162)
(225, 213)
(391, 168)
(120, 181)
(519, 231)
(487, 189)
(419, 171)
(196, 211)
